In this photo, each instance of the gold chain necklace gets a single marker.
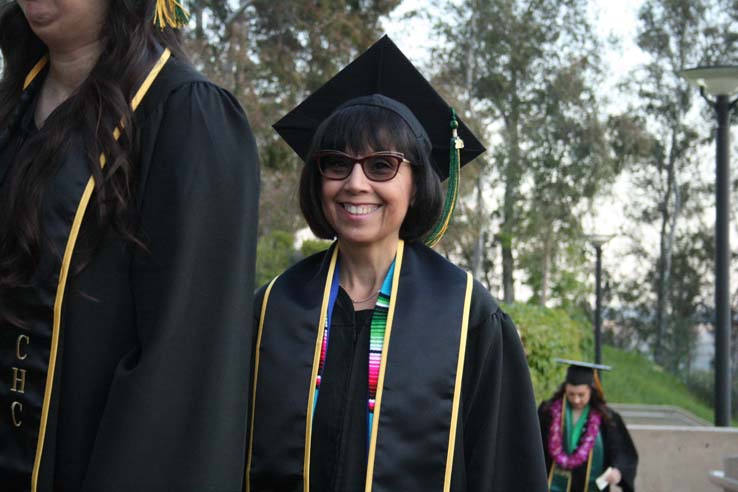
(359, 301)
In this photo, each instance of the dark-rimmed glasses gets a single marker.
(377, 166)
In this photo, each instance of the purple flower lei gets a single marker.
(586, 442)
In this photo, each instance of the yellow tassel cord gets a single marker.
(170, 13)
(454, 170)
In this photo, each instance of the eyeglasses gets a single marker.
(377, 166)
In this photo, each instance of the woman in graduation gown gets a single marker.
(585, 440)
(128, 206)
(380, 365)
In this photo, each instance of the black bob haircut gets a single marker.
(363, 128)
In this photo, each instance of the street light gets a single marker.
(721, 82)
(598, 240)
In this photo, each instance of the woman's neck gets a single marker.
(67, 70)
(363, 270)
(577, 413)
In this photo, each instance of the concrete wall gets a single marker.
(678, 459)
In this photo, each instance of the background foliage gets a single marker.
(547, 334)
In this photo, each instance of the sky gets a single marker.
(616, 20)
(611, 18)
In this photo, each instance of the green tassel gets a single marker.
(170, 13)
(181, 16)
(454, 170)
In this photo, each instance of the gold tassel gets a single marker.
(170, 13)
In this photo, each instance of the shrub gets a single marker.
(274, 253)
(547, 334)
(312, 246)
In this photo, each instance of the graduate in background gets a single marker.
(128, 208)
(380, 365)
(587, 445)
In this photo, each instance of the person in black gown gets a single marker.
(128, 208)
(585, 440)
(380, 365)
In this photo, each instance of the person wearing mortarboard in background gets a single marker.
(381, 366)
(124, 326)
(587, 445)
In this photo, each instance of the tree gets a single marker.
(677, 34)
(503, 54)
(271, 54)
(570, 161)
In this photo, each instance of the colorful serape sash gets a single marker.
(376, 341)
(326, 336)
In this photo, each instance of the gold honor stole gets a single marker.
(419, 388)
(28, 355)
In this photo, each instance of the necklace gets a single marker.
(556, 438)
(359, 301)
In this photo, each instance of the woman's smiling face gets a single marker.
(364, 212)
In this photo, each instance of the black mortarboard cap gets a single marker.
(581, 372)
(382, 72)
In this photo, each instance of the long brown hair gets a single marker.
(596, 400)
(130, 42)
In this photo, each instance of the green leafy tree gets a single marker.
(271, 54)
(570, 161)
(274, 253)
(676, 34)
(311, 246)
(501, 54)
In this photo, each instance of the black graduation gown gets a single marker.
(498, 446)
(150, 386)
(619, 450)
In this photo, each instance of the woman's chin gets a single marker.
(38, 15)
(357, 239)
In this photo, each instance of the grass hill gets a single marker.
(549, 333)
(635, 379)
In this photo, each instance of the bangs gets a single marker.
(362, 129)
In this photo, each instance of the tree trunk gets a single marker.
(546, 267)
(512, 178)
(479, 243)
(666, 247)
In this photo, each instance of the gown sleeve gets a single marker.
(175, 416)
(501, 437)
(544, 419)
(623, 452)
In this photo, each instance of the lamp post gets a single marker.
(722, 83)
(598, 240)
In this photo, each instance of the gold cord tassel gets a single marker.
(170, 13)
